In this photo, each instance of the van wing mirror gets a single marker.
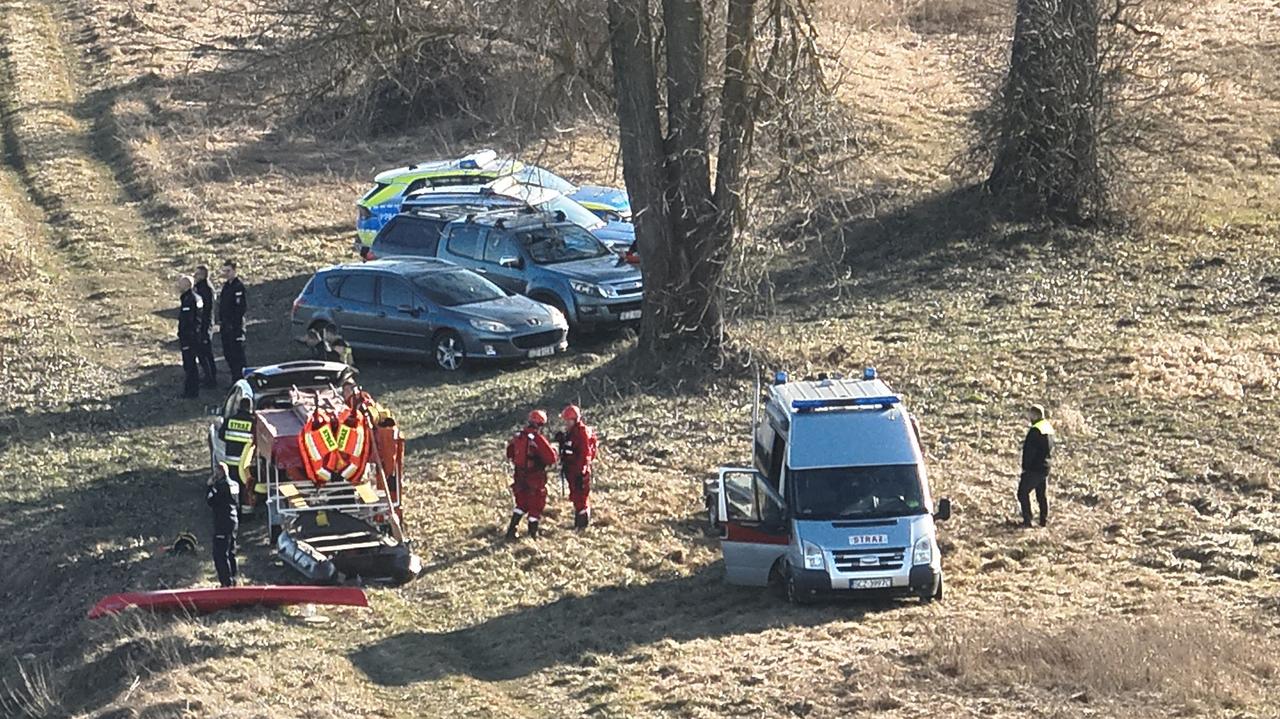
(514, 263)
(944, 510)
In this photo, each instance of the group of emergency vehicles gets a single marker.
(835, 500)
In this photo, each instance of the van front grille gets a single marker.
(861, 560)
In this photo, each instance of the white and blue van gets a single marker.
(838, 498)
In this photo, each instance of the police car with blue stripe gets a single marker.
(382, 201)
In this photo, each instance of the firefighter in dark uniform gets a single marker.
(232, 305)
(236, 433)
(1036, 448)
(189, 335)
(204, 352)
(223, 497)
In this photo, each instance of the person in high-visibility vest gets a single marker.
(1037, 446)
(236, 433)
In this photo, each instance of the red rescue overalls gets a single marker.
(576, 453)
(531, 454)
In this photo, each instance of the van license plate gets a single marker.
(870, 583)
(543, 351)
(858, 539)
(632, 315)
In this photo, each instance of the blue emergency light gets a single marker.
(246, 371)
(869, 373)
(802, 405)
(780, 378)
(468, 164)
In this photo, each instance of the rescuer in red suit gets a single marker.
(577, 450)
(531, 454)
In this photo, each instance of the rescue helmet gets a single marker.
(571, 413)
(537, 418)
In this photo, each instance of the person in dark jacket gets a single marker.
(1037, 446)
(204, 351)
(189, 335)
(223, 497)
(232, 305)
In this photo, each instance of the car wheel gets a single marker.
(447, 349)
(935, 596)
(794, 594)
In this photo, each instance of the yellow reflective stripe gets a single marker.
(326, 434)
(1044, 427)
(312, 449)
(238, 436)
(342, 436)
(359, 448)
(240, 424)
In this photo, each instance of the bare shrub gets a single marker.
(30, 691)
(1184, 658)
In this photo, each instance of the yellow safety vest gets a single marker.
(1045, 428)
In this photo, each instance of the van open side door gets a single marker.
(754, 533)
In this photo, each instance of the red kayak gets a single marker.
(215, 598)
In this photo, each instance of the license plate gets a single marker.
(870, 583)
(860, 539)
(630, 315)
(543, 351)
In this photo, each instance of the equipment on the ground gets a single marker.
(212, 599)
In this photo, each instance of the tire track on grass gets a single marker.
(95, 230)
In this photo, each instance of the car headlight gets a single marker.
(490, 326)
(813, 558)
(922, 552)
(588, 288)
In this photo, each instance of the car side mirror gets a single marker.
(944, 510)
(408, 310)
(514, 263)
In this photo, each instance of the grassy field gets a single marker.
(1153, 593)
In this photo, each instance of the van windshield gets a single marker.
(891, 490)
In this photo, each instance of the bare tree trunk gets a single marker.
(1047, 161)
(684, 225)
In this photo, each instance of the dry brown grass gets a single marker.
(1164, 481)
(1185, 658)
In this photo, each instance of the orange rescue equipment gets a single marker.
(335, 446)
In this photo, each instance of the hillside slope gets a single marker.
(1153, 593)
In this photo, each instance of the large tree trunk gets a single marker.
(1046, 161)
(683, 227)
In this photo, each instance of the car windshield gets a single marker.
(892, 490)
(456, 287)
(561, 243)
(544, 178)
(573, 212)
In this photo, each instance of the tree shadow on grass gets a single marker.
(907, 247)
(612, 620)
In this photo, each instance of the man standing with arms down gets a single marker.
(577, 450)
(189, 336)
(1036, 448)
(204, 351)
(232, 305)
(531, 454)
(223, 497)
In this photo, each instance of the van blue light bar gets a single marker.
(805, 404)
